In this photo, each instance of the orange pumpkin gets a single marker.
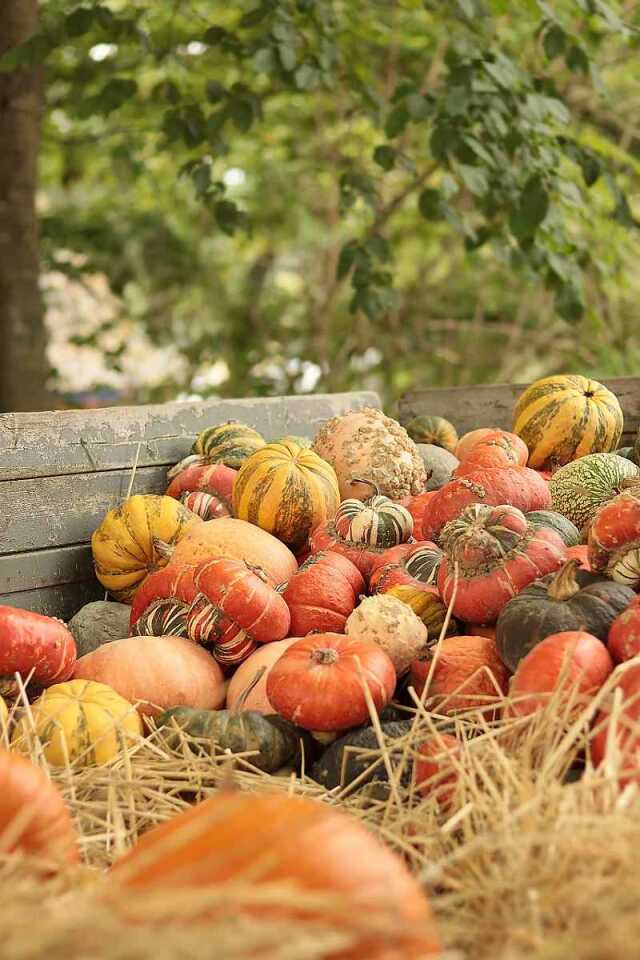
(467, 442)
(434, 770)
(468, 674)
(247, 688)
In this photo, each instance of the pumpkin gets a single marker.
(357, 756)
(156, 673)
(272, 740)
(318, 683)
(490, 554)
(365, 443)
(392, 625)
(426, 603)
(322, 594)
(287, 490)
(204, 505)
(248, 686)
(616, 740)
(580, 553)
(34, 818)
(275, 838)
(562, 418)
(614, 538)
(216, 481)
(439, 464)
(496, 449)
(80, 722)
(162, 603)
(227, 443)
(467, 674)
(468, 441)
(40, 649)
(125, 544)
(434, 431)
(99, 622)
(571, 599)
(623, 639)
(495, 486)
(293, 438)
(235, 540)
(417, 507)
(435, 770)
(377, 521)
(326, 539)
(555, 521)
(580, 488)
(572, 661)
(409, 564)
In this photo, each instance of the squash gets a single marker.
(286, 490)
(326, 539)
(79, 722)
(623, 639)
(468, 674)
(272, 740)
(298, 843)
(616, 740)
(377, 521)
(303, 442)
(229, 443)
(392, 625)
(247, 688)
(580, 553)
(435, 770)
(365, 443)
(571, 599)
(40, 649)
(433, 430)
(555, 521)
(235, 540)
(496, 449)
(356, 756)
(409, 564)
(572, 661)
(99, 622)
(468, 441)
(125, 544)
(417, 507)
(439, 464)
(614, 538)
(495, 486)
(580, 488)
(204, 505)
(322, 594)
(427, 604)
(318, 683)
(163, 602)
(34, 819)
(562, 418)
(215, 480)
(490, 554)
(156, 673)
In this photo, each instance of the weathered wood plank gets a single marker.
(492, 406)
(89, 441)
(61, 601)
(45, 568)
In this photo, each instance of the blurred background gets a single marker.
(284, 197)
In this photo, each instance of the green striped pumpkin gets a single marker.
(579, 488)
(434, 430)
(378, 522)
(558, 522)
(229, 443)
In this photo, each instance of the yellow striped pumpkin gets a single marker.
(229, 443)
(565, 417)
(286, 489)
(124, 545)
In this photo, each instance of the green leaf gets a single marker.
(255, 16)
(474, 178)
(346, 259)
(531, 210)
(379, 248)
(396, 121)
(569, 303)
(114, 93)
(264, 60)
(504, 71)
(241, 112)
(306, 77)
(215, 91)
(554, 41)
(384, 156)
(577, 60)
(430, 204)
(571, 192)
(228, 216)
(288, 56)
(201, 176)
(79, 22)
(215, 35)
(443, 140)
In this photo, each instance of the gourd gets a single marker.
(624, 634)
(439, 464)
(496, 449)
(378, 521)
(322, 594)
(213, 480)
(574, 662)
(616, 740)
(468, 674)
(614, 538)
(357, 756)
(571, 599)
(227, 443)
(467, 441)
(272, 740)
(156, 673)
(366, 443)
(435, 770)
(247, 688)
(79, 722)
(327, 539)
(392, 625)
(204, 505)
(318, 683)
(562, 418)
(490, 554)
(99, 622)
(433, 430)
(555, 521)
(580, 488)
(427, 604)
(417, 507)
(41, 649)
(409, 564)
(286, 490)
(294, 841)
(160, 606)
(125, 545)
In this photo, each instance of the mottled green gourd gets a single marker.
(229, 443)
(579, 488)
(558, 522)
(434, 430)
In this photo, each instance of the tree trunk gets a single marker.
(23, 367)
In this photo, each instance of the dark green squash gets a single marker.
(275, 741)
(556, 521)
(336, 768)
(571, 599)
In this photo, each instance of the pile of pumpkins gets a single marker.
(281, 594)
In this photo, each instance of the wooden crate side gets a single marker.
(62, 601)
(492, 406)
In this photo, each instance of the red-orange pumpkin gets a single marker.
(434, 771)
(624, 634)
(318, 683)
(417, 506)
(214, 479)
(322, 594)
(467, 442)
(408, 564)
(618, 737)
(326, 539)
(614, 538)
(580, 553)
(39, 648)
(497, 449)
(468, 674)
(160, 605)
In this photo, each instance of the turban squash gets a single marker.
(287, 490)
(614, 538)
(580, 488)
(323, 593)
(434, 430)
(378, 521)
(562, 418)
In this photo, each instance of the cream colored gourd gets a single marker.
(391, 624)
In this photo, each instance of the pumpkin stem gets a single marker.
(369, 483)
(325, 656)
(163, 549)
(565, 583)
(242, 699)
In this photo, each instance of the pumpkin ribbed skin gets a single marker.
(229, 443)
(624, 634)
(580, 488)
(204, 505)
(326, 539)
(434, 430)
(175, 583)
(567, 530)
(214, 479)
(322, 594)
(286, 490)
(83, 721)
(409, 564)
(468, 674)
(124, 548)
(377, 521)
(426, 603)
(562, 418)
(417, 507)
(614, 538)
